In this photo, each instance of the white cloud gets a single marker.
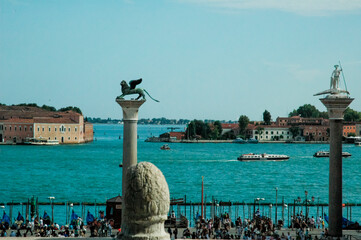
(302, 7)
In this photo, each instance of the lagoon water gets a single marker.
(90, 172)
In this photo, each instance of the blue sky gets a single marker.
(202, 59)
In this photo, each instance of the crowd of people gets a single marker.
(257, 228)
(42, 227)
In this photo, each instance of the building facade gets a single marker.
(18, 125)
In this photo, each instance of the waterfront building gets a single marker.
(358, 130)
(19, 123)
(298, 120)
(349, 129)
(271, 133)
(316, 132)
(230, 127)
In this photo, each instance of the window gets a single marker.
(20, 128)
(43, 129)
(15, 128)
(31, 128)
(75, 138)
(10, 128)
(266, 136)
(69, 129)
(38, 129)
(25, 128)
(49, 129)
(68, 138)
(5, 128)
(271, 132)
(55, 138)
(49, 138)
(55, 129)
(319, 133)
(76, 129)
(266, 132)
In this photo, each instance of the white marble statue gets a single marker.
(335, 78)
(335, 91)
(146, 203)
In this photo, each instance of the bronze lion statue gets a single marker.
(131, 89)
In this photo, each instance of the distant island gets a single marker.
(153, 121)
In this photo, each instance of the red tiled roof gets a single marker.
(230, 125)
(17, 120)
(55, 120)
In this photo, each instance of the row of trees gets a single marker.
(47, 108)
(197, 129)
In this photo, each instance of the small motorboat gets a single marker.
(165, 147)
(239, 140)
(320, 154)
(252, 140)
(263, 157)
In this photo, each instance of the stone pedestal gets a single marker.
(336, 107)
(130, 119)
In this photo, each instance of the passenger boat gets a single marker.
(165, 147)
(40, 141)
(320, 154)
(263, 157)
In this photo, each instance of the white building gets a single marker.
(272, 133)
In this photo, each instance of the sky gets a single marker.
(202, 59)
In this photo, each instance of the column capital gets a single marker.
(130, 108)
(336, 107)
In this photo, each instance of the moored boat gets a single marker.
(358, 144)
(40, 141)
(252, 140)
(320, 154)
(165, 147)
(239, 140)
(263, 157)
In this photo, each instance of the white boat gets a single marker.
(40, 141)
(320, 154)
(358, 144)
(263, 157)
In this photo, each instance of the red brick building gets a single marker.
(19, 123)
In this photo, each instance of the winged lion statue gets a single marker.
(131, 89)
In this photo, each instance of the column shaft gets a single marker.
(129, 148)
(335, 179)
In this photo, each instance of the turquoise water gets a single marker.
(90, 172)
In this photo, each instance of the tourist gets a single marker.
(170, 232)
(175, 232)
(28, 228)
(313, 223)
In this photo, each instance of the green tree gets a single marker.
(243, 123)
(294, 131)
(216, 133)
(49, 108)
(352, 115)
(267, 117)
(70, 108)
(191, 130)
(306, 111)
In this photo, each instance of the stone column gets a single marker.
(336, 107)
(130, 119)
